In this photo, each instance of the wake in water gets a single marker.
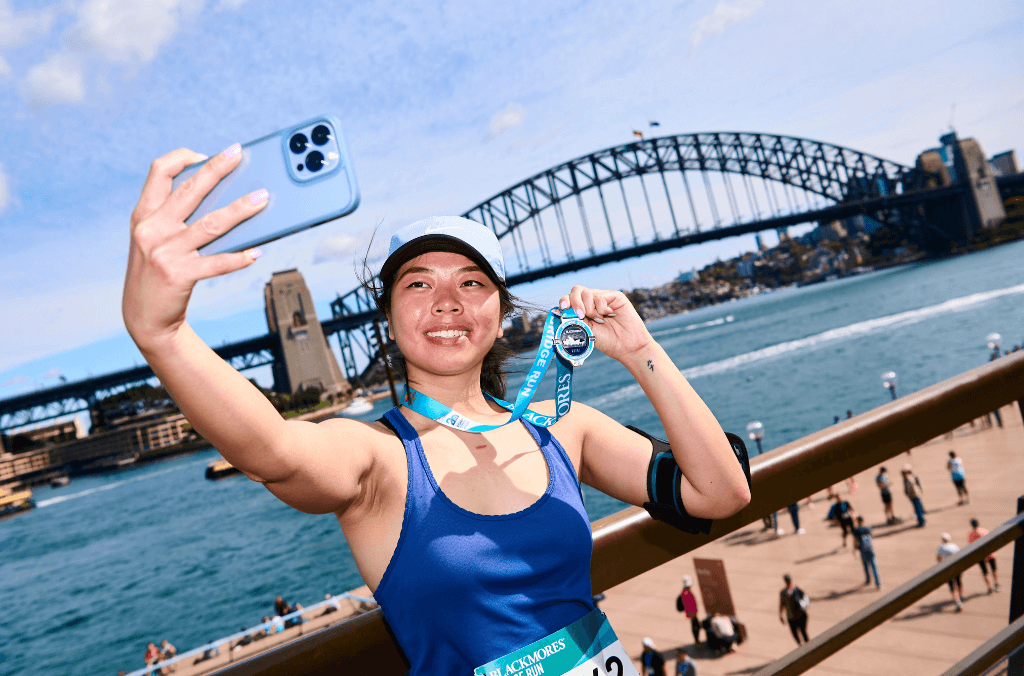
(115, 484)
(690, 327)
(856, 330)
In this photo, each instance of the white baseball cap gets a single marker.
(445, 233)
(648, 642)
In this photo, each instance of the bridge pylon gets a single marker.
(306, 358)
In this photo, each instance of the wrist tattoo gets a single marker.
(650, 364)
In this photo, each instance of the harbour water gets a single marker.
(110, 562)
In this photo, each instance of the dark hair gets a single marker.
(952, 454)
(881, 469)
(860, 519)
(496, 361)
(974, 523)
(787, 578)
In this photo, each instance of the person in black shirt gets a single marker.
(793, 604)
(651, 660)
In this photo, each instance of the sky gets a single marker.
(443, 104)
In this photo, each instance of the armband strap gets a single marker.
(664, 478)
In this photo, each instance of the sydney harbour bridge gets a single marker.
(640, 198)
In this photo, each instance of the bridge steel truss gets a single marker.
(83, 395)
(533, 217)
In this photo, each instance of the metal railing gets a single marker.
(212, 649)
(629, 543)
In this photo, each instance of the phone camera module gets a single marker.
(315, 160)
(321, 134)
(298, 142)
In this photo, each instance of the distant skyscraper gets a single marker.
(307, 358)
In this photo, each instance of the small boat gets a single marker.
(15, 501)
(219, 469)
(359, 406)
(60, 481)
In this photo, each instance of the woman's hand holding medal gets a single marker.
(617, 327)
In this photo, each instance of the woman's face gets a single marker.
(445, 313)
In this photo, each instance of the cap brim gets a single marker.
(428, 244)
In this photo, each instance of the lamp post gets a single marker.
(995, 341)
(755, 430)
(889, 381)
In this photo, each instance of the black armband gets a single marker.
(664, 478)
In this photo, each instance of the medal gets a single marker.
(574, 340)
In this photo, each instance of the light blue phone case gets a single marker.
(301, 196)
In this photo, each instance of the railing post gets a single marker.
(1015, 665)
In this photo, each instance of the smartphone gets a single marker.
(306, 169)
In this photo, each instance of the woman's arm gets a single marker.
(713, 485)
(164, 265)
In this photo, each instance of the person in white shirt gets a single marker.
(947, 548)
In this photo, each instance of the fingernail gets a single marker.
(609, 314)
(598, 320)
(579, 312)
(202, 157)
(563, 305)
(254, 253)
(232, 151)
(259, 196)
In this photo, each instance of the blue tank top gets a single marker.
(463, 589)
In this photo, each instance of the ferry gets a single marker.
(219, 469)
(14, 501)
(359, 406)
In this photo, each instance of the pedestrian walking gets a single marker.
(989, 561)
(794, 514)
(912, 487)
(866, 546)
(843, 514)
(956, 587)
(651, 661)
(793, 603)
(955, 465)
(687, 603)
(882, 481)
(684, 665)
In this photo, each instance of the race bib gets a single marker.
(587, 647)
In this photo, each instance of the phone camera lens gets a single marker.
(321, 134)
(314, 160)
(298, 142)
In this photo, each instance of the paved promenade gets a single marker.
(926, 638)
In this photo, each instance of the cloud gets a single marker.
(59, 79)
(20, 29)
(51, 374)
(334, 248)
(5, 69)
(504, 120)
(725, 14)
(16, 380)
(129, 32)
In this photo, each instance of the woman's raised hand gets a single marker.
(613, 319)
(163, 260)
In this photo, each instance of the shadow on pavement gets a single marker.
(748, 670)
(932, 608)
(818, 556)
(859, 589)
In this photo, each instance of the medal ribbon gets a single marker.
(435, 410)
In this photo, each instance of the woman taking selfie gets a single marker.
(464, 519)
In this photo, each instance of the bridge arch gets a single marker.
(798, 167)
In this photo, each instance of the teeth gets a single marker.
(448, 334)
